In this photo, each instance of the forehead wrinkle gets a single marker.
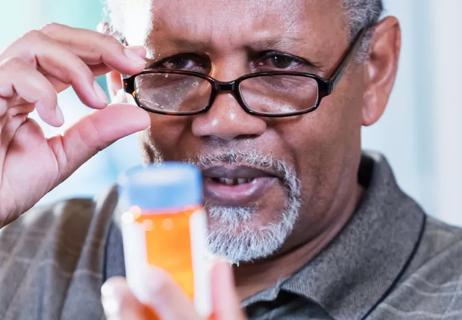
(217, 30)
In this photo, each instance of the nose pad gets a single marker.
(227, 120)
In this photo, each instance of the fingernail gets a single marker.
(131, 54)
(59, 115)
(100, 94)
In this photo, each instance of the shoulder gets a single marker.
(431, 286)
(51, 223)
(70, 219)
(38, 253)
(51, 260)
(440, 247)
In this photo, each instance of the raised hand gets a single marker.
(33, 70)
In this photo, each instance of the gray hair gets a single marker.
(361, 14)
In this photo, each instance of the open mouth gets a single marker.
(232, 181)
(236, 185)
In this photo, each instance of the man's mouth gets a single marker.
(236, 185)
(232, 181)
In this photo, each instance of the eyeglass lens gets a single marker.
(279, 94)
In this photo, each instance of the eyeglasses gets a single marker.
(268, 94)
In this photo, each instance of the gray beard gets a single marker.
(231, 236)
(247, 244)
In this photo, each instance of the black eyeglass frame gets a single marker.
(325, 86)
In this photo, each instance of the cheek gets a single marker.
(168, 134)
(325, 144)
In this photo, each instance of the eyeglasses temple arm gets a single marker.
(357, 42)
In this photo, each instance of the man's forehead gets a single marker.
(225, 9)
(208, 21)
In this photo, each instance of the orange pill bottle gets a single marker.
(165, 225)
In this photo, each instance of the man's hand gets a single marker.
(168, 301)
(32, 71)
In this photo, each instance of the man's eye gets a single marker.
(278, 61)
(188, 62)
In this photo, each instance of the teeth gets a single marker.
(242, 180)
(233, 181)
(227, 181)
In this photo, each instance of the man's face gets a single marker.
(271, 184)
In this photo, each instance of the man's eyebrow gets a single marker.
(284, 44)
(187, 44)
(277, 42)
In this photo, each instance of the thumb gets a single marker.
(94, 133)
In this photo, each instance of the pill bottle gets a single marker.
(165, 225)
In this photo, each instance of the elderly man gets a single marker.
(268, 98)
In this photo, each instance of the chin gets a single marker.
(239, 234)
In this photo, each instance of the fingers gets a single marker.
(120, 303)
(166, 299)
(95, 48)
(95, 132)
(226, 304)
(18, 78)
(73, 56)
(53, 59)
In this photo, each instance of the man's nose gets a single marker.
(227, 120)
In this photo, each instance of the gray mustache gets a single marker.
(279, 168)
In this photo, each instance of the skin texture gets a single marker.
(323, 146)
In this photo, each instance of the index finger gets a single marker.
(96, 48)
(120, 303)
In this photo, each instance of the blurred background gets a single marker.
(420, 133)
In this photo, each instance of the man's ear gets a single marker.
(381, 68)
